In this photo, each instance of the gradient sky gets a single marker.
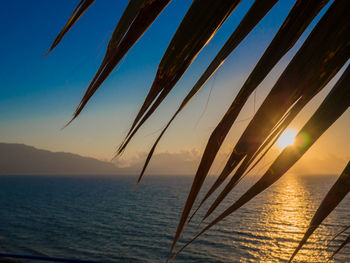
(39, 94)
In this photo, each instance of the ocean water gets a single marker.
(98, 218)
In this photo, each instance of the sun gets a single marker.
(287, 138)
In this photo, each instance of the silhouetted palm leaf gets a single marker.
(258, 10)
(300, 80)
(198, 26)
(340, 232)
(345, 242)
(137, 17)
(78, 12)
(322, 55)
(334, 105)
(299, 18)
(288, 34)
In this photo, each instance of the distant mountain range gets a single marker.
(22, 159)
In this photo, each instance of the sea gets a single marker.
(99, 218)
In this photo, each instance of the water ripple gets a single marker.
(98, 218)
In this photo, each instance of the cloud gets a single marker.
(184, 162)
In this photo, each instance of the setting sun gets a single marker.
(287, 138)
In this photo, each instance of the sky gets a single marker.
(39, 94)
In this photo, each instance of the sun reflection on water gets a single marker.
(285, 216)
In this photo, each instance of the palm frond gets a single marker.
(246, 162)
(300, 78)
(257, 11)
(200, 23)
(334, 105)
(78, 12)
(325, 51)
(340, 232)
(345, 242)
(137, 17)
(310, 70)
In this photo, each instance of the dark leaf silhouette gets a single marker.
(288, 34)
(325, 51)
(309, 71)
(299, 18)
(290, 31)
(340, 232)
(346, 241)
(78, 12)
(334, 105)
(200, 23)
(258, 10)
(137, 17)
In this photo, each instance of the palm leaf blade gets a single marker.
(279, 46)
(320, 121)
(258, 10)
(200, 23)
(308, 72)
(137, 17)
(78, 12)
(346, 241)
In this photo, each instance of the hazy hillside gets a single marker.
(23, 159)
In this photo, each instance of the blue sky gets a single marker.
(39, 94)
